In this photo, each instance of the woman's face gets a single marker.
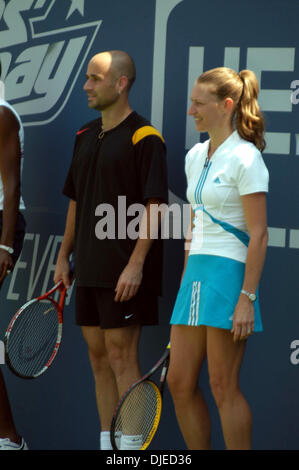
(208, 112)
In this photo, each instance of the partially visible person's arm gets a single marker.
(10, 155)
(188, 241)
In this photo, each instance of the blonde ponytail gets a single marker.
(249, 118)
(243, 89)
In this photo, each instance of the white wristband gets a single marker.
(7, 248)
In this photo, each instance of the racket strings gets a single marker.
(139, 413)
(33, 338)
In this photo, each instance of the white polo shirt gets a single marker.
(21, 140)
(214, 190)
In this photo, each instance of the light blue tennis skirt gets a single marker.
(209, 293)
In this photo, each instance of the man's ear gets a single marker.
(122, 83)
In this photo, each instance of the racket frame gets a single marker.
(164, 359)
(59, 310)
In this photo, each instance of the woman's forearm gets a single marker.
(255, 260)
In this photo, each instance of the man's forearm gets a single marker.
(149, 229)
(140, 251)
(67, 245)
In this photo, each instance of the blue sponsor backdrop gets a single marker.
(45, 46)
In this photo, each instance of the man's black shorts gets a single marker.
(95, 306)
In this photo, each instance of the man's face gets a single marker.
(101, 83)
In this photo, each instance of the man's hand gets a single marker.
(6, 264)
(63, 272)
(128, 282)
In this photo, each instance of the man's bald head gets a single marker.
(118, 63)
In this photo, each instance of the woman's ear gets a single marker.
(228, 105)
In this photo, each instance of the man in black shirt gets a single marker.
(119, 162)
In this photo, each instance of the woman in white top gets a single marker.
(217, 305)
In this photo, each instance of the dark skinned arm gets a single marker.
(10, 155)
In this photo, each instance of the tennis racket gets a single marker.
(34, 334)
(139, 410)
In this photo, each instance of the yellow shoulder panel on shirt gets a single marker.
(144, 132)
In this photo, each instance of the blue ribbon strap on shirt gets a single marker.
(242, 236)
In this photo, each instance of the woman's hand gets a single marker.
(243, 320)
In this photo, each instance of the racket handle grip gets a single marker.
(163, 373)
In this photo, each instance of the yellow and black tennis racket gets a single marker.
(138, 412)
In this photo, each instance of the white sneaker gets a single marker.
(105, 442)
(131, 442)
(7, 444)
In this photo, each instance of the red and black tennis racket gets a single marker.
(34, 334)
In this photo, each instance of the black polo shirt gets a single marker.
(128, 161)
